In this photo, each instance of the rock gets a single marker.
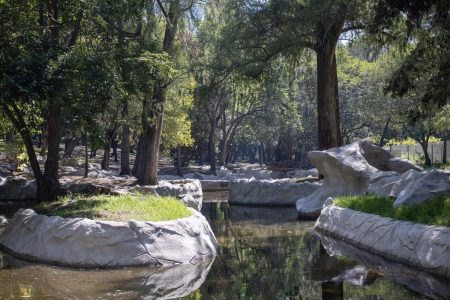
(98, 244)
(269, 192)
(352, 169)
(189, 191)
(214, 185)
(345, 171)
(145, 190)
(423, 186)
(3, 221)
(69, 162)
(88, 189)
(383, 160)
(421, 246)
(17, 188)
(306, 173)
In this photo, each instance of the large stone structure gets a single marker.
(78, 242)
(350, 170)
(421, 246)
(269, 192)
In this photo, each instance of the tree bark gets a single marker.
(212, 147)
(383, 135)
(70, 147)
(125, 144)
(51, 186)
(179, 162)
(444, 151)
(146, 165)
(86, 156)
(327, 100)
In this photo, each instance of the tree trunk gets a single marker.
(146, 165)
(125, 144)
(43, 151)
(51, 181)
(424, 145)
(86, 156)
(383, 135)
(70, 147)
(327, 100)
(444, 151)
(179, 162)
(212, 146)
(109, 136)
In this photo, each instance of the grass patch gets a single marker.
(117, 208)
(433, 212)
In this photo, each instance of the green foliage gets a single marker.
(434, 212)
(117, 208)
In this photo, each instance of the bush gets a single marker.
(433, 212)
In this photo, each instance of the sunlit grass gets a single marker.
(117, 208)
(433, 212)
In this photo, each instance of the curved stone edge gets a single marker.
(269, 193)
(421, 246)
(430, 285)
(85, 243)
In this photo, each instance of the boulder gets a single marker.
(423, 186)
(85, 243)
(69, 162)
(17, 188)
(352, 169)
(189, 191)
(421, 246)
(269, 192)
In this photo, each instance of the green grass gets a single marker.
(433, 212)
(117, 208)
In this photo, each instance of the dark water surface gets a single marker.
(265, 253)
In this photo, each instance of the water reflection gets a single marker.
(427, 284)
(19, 280)
(265, 253)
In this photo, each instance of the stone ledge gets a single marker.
(269, 192)
(422, 246)
(85, 243)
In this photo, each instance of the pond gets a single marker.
(265, 253)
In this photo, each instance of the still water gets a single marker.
(265, 253)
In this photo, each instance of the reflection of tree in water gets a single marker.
(257, 259)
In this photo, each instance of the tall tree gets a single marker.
(262, 30)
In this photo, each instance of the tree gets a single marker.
(262, 30)
(37, 36)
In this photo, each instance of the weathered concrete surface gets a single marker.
(349, 170)
(430, 285)
(189, 191)
(214, 185)
(87, 243)
(424, 186)
(123, 283)
(269, 192)
(422, 246)
(17, 188)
